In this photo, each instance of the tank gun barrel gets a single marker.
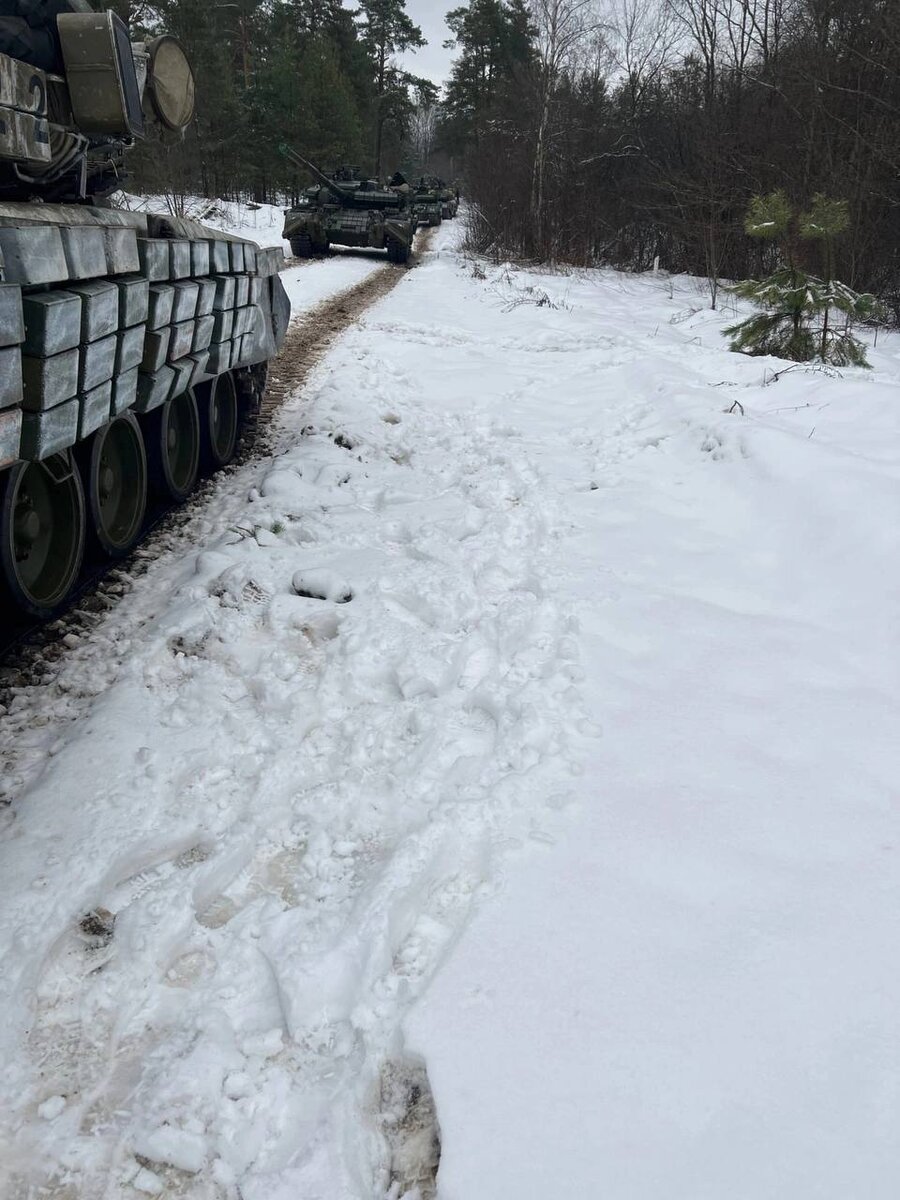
(361, 196)
(343, 193)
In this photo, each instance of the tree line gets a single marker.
(584, 131)
(640, 132)
(307, 73)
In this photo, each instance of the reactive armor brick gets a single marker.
(153, 388)
(48, 382)
(48, 432)
(124, 392)
(129, 348)
(10, 435)
(223, 326)
(184, 372)
(187, 294)
(236, 250)
(219, 257)
(201, 369)
(225, 292)
(156, 349)
(12, 329)
(203, 332)
(134, 301)
(98, 362)
(10, 377)
(85, 250)
(33, 254)
(161, 301)
(207, 297)
(99, 308)
(256, 289)
(241, 291)
(52, 323)
(220, 358)
(179, 260)
(153, 256)
(121, 250)
(182, 342)
(200, 258)
(93, 409)
(243, 321)
(250, 253)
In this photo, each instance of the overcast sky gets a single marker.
(432, 61)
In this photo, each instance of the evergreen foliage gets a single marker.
(796, 321)
(309, 73)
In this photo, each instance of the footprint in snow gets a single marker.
(322, 584)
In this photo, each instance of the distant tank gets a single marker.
(449, 200)
(131, 345)
(427, 201)
(349, 211)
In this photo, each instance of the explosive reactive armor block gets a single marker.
(52, 322)
(48, 432)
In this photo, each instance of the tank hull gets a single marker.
(312, 230)
(109, 318)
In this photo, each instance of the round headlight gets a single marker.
(170, 82)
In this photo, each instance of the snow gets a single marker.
(260, 223)
(308, 284)
(585, 798)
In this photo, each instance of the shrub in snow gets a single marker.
(803, 316)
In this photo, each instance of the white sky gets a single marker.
(432, 60)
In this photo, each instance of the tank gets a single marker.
(132, 345)
(427, 200)
(347, 210)
(449, 200)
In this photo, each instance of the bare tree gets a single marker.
(422, 131)
(562, 26)
(643, 45)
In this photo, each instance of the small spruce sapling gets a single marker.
(795, 321)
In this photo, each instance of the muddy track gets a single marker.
(29, 651)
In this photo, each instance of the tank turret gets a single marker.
(76, 93)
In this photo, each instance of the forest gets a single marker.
(624, 132)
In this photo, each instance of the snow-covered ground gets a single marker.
(527, 711)
(261, 223)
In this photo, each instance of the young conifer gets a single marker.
(798, 310)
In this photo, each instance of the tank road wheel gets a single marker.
(301, 246)
(42, 529)
(173, 447)
(114, 469)
(219, 421)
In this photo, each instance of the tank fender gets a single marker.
(398, 229)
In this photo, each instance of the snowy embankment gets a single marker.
(585, 634)
(308, 284)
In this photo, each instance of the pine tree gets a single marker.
(386, 30)
(797, 307)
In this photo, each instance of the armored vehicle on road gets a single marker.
(349, 212)
(131, 345)
(433, 200)
(426, 201)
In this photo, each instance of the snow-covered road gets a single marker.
(526, 711)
